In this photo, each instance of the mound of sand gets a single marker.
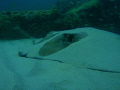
(78, 59)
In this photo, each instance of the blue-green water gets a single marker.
(21, 5)
(16, 5)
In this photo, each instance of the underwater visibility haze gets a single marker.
(59, 44)
(17, 5)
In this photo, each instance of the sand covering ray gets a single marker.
(82, 47)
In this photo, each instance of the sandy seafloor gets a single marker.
(92, 63)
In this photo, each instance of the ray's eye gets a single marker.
(68, 37)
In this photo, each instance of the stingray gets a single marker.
(88, 48)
